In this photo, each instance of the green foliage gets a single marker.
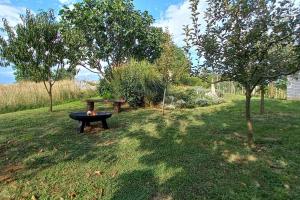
(63, 74)
(114, 32)
(105, 89)
(173, 63)
(137, 82)
(192, 97)
(193, 81)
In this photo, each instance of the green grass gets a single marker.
(186, 154)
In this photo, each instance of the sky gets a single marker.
(172, 14)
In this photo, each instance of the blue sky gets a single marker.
(167, 13)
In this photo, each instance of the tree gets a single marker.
(114, 33)
(65, 74)
(40, 49)
(173, 64)
(243, 37)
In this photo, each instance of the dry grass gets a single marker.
(25, 95)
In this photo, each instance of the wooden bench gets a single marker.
(117, 104)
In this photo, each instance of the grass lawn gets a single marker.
(186, 154)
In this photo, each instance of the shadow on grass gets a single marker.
(188, 154)
(38, 140)
(203, 155)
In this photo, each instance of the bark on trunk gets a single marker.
(213, 87)
(164, 99)
(249, 119)
(262, 99)
(51, 98)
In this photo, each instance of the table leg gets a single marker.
(82, 127)
(104, 124)
(90, 106)
(117, 107)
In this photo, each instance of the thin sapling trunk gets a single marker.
(49, 91)
(164, 99)
(248, 118)
(262, 99)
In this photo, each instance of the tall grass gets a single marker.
(26, 95)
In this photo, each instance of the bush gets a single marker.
(191, 97)
(193, 81)
(105, 89)
(137, 82)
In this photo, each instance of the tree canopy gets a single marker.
(114, 32)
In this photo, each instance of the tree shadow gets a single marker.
(203, 155)
(32, 141)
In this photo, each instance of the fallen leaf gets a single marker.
(72, 195)
(33, 197)
(287, 186)
(114, 174)
(101, 192)
(98, 173)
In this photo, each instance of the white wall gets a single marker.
(293, 87)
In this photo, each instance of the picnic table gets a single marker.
(116, 104)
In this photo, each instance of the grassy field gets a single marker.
(186, 154)
(26, 95)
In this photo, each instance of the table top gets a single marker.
(106, 100)
(83, 116)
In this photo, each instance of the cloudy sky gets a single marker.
(167, 13)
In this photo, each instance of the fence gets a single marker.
(235, 88)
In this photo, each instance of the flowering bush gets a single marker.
(191, 97)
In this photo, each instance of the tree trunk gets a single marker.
(262, 99)
(248, 118)
(164, 99)
(213, 87)
(51, 98)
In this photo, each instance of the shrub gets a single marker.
(191, 97)
(138, 82)
(193, 81)
(105, 89)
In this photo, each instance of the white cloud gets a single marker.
(10, 12)
(67, 2)
(176, 16)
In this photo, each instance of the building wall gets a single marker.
(293, 87)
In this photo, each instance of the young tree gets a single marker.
(40, 49)
(114, 33)
(243, 38)
(172, 64)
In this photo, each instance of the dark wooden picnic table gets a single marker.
(117, 104)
